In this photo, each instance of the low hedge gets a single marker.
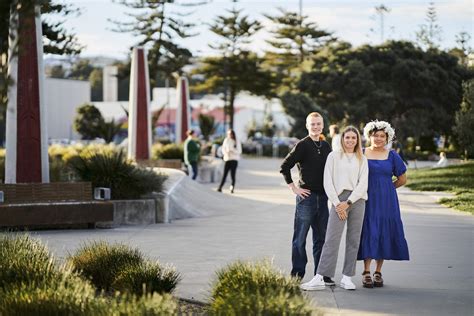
(169, 151)
(100, 262)
(245, 288)
(147, 277)
(113, 170)
(31, 283)
(25, 260)
(121, 268)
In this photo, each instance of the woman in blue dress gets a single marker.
(382, 236)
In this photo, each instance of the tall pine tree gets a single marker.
(159, 28)
(236, 68)
(295, 41)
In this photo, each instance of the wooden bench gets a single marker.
(52, 204)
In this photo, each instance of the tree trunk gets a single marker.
(231, 107)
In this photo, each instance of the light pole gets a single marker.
(381, 10)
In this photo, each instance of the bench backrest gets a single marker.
(46, 192)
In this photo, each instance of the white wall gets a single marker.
(62, 98)
(110, 83)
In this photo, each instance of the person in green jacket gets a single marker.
(192, 149)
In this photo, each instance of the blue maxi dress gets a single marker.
(382, 234)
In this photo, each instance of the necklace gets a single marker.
(318, 147)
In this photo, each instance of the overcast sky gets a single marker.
(349, 20)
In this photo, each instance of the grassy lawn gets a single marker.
(458, 179)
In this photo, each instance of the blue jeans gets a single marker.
(194, 167)
(313, 212)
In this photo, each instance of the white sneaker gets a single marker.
(346, 283)
(316, 284)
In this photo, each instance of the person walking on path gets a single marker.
(192, 149)
(382, 235)
(335, 137)
(310, 155)
(231, 150)
(345, 181)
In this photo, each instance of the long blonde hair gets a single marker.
(358, 146)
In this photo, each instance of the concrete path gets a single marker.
(256, 222)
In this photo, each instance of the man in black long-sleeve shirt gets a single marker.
(310, 155)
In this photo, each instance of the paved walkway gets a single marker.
(256, 222)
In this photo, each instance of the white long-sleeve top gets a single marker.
(231, 150)
(345, 172)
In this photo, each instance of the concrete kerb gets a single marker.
(154, 208)
(163, 207)
(181, 198)
(162, 199)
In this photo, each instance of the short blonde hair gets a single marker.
(313, 114)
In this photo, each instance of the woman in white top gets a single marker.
(345, 182)
(231, 150)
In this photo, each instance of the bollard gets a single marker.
(259, 149)
(275, 148)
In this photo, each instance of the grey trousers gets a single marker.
(355, 219)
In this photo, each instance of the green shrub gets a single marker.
(71, 295)
(170, 151)
(147, 278)
(101, 263)
(65, 295)
(111, 169)
(150, 304)
(262, 302)
(31, 284)
(256, 289)
(24, 260)
(121, 268)
(60, 171)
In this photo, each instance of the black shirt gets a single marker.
(310, 157)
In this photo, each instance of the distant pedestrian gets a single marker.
(397, 146)
(382, 235)
(192, 150)
(335, 137)
(442, 162)
(231, 151)
(345, 182)
(310, 155)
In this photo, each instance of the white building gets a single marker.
(249, 108)
(62, 98)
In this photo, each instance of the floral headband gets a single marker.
(379, 126)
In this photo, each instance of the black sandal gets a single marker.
(367, 280)
(378, 281)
